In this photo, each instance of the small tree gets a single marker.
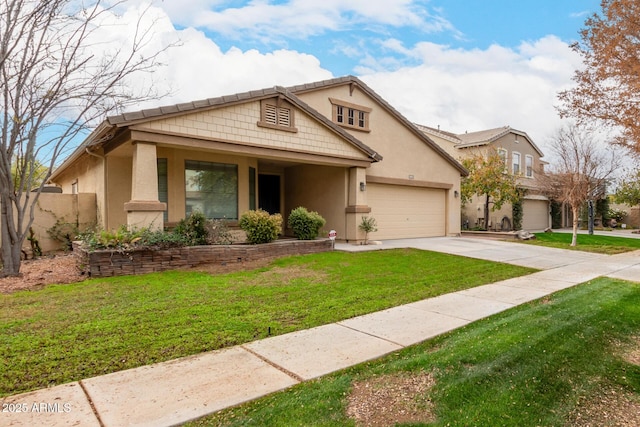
(488, 177)
(579, 173)
(368, 225)
(58, 78)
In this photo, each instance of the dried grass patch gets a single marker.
(389, 399)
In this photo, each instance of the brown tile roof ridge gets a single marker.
(128, 118)
(484, 137)
(450, 136)
(135, 117)
(364, 87)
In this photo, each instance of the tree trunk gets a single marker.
(576, 216)
(486, 213)
(11, 247)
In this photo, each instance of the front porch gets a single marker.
(224, 186)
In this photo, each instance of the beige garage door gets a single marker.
(402, 211)
(535, 215)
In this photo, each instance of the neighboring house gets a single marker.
(522, 158)
(333, 146)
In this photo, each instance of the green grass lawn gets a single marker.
(65, 333)
(543, 363)
(589, 243)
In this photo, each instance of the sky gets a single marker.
(461, 65)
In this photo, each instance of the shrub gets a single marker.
(368, 225)
(193, 229)
(123, 239)
(218, 232)
(617, 214)
(120, 239)
(306, 225)
(260, 226)
(160, 239)
(517, 212)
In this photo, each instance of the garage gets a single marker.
(535, 214)
(404, 211)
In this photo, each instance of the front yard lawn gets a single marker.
(65, 333)
(571, 359)
(609, 245)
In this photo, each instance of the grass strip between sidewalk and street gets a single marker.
(609, 245)
(65, 333)
(570, 359)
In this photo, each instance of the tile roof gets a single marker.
(478, 138)
(412, 126)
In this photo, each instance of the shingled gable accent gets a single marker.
(130, 119)
(352, 80)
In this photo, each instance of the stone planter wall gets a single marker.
(106, 263)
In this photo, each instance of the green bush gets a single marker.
(160, 239)
(123, 239)
(260, 226)
(193, 229)
(517, 212)
(306, 225)
(120, 239)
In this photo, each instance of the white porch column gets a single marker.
(144, 209)
(357, 203)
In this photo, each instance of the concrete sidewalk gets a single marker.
(174, 392)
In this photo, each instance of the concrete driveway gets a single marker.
(492, 250)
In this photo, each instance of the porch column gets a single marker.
(144, 209)
(357, 206)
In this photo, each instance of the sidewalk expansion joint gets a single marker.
(370, 334)
(278, 367)
(93, 407)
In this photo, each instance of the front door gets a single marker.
(269, 193)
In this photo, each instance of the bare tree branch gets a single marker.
(57, 79)
(580, 172)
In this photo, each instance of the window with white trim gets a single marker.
(528, 164)
(515, 161)
(350, 115)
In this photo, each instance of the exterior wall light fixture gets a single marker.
(363, 186)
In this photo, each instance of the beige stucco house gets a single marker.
(522, 158)
(333, 146)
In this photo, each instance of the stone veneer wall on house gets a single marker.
(106, 263)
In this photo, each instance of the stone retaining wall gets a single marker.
(105, 263)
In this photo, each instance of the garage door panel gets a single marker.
(535, 214)
(403, 211)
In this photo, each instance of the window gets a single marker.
(252, 188)
(277, 114)
(163, 186)
(502, 153)
(516, 163)
(350, 115)
(528, 164)
(211, 188)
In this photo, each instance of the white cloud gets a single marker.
(460, 90)
(470, 90)
(272, 22)
(197, 68)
